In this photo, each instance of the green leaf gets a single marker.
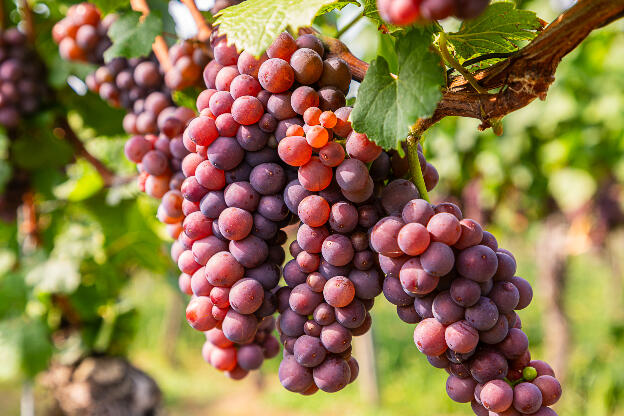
(83, 182)
(108, 6)
(387, 49)
(185, 98)
(210, 19)
(252, 26)
(499, 29)
(41, 150)
(389, 105)
(336, 6)
(162, 7)
(371, 11)
(132, 37)
(36, 347)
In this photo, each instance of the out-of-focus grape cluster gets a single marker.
(82, 34)
(23, 87)
(408, 12)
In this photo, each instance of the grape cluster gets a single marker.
(22, 78)
(448, 276)
(188, 59)
(159, 157)
(408, 12)
(334, 278)
(82, 34)
(122, 82)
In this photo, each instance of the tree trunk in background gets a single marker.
(27, 404)
(102, 386)
(173, 322)
(614, 244)
(552, 264)
(367, 378)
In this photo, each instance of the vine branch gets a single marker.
(203, 29)
(27, 15)
(66, 132)
(521, 78)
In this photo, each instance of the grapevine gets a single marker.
(293, 180)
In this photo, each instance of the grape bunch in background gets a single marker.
(188, 59)
(408, 12)
(449, 276)
(23, 88)
(82, 34)
(122, 82)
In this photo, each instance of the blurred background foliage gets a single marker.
(92, 275)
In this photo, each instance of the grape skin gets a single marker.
(497, 396)
(309, 351)
(293, 376)
(527, 398)
(332, 375)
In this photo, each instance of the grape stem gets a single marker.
(28, 225)
(3, 22)
(415, 168)
(454, 63)
(349, 25)
(28, 20)
(203, 29)
(65, 131)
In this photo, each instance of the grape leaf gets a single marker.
(336, 6)
(162, 6)
(133, 37)
(387, 49)
(498, 29)
(252, 25)
(108, 6)
(185, 98)
(389, 105)
(36, 347)
(371, 11)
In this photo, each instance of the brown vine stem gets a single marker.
(27, 15)
(203, 29)
(160, 48)
(3, 16)
(522, 77)
(65, 131)
(28, 226)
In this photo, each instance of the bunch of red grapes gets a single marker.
(448, 275)
(122, 82)
(408, 12)
(82, 34)
(272, 148)
(22, 78)
(333, 277)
